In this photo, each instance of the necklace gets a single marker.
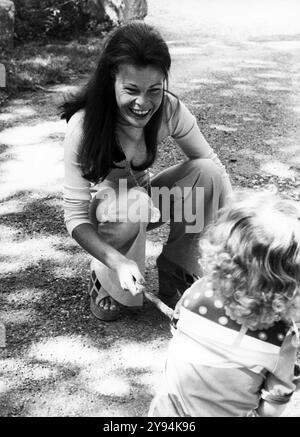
(154, 212)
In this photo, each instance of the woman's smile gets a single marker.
(139, 93)
(139, 113)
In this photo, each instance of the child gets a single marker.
(234, 348)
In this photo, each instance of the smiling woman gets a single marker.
(114, 126)
(139, 93)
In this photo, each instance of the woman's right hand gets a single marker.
(130, 276)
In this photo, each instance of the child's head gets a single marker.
(251, 257)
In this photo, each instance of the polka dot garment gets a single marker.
(201, 300)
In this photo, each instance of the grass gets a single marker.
(35, 65)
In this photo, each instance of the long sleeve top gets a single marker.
(177, 122)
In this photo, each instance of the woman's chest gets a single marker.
(136, 155)
(133, 147)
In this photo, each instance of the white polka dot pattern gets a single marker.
(202, 310)
(223, 320)
(218, 304)
(209, 293)
(262, 336)
(186, 303)
(196, 295)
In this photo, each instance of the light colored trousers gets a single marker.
(200, 185)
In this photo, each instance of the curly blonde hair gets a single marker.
(251, 257)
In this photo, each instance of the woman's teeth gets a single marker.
(139, 113)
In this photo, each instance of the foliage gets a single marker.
(35, 65)
(46, 19)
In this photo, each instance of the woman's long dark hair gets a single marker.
(135, 43)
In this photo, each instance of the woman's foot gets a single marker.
(106, 309)
(103, 306)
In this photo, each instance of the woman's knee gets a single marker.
(202, 173)
(118, 234)
(117, 219)
(205, 167)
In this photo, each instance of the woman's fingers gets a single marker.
(130, 277)
(131, 286)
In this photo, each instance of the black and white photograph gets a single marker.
(149, 211)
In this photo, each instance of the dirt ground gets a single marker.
(240, 77)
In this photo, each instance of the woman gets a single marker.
(114, 126)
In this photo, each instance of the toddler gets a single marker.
(234, 347)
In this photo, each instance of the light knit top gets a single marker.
(177, 122)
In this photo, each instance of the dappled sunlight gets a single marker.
(296, 109)
(110, 386)
(273, 75)
(17, 114)
(69, 267)
(22, 254)
(17, 317)
(66, 401)
(207, 81)
(32, 371)
(37, 161)
(60, 402)
(7, 233)
(60, 89)
(277, 168)
(11, 365)
(64, 349)
(153, 380)
(289, 46)
(240, 79)
(275, 86)
(227, 93)
(247, 89)
(24, 295)
(234, 71)
(4, 387)
(153, 249)
(47, 60)
(29, 135)
(38, 373)
(222, 128)
(33, 167)
(141, 356)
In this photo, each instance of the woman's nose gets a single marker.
(141, 100)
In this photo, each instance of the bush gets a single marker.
(46, 19)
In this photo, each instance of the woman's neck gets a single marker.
(130, 133)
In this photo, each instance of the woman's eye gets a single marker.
(155, 91)
(130, 90)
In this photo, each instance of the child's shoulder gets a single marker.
(203, 301)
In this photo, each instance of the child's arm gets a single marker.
(267, 409)
(280, 384)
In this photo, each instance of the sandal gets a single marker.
(97, 294)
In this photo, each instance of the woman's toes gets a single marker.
(108, 304)
(112, 306)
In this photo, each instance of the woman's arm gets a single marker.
(76, 202)
(127, 270)
(183, 127)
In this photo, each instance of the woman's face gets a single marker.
(139, 93)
